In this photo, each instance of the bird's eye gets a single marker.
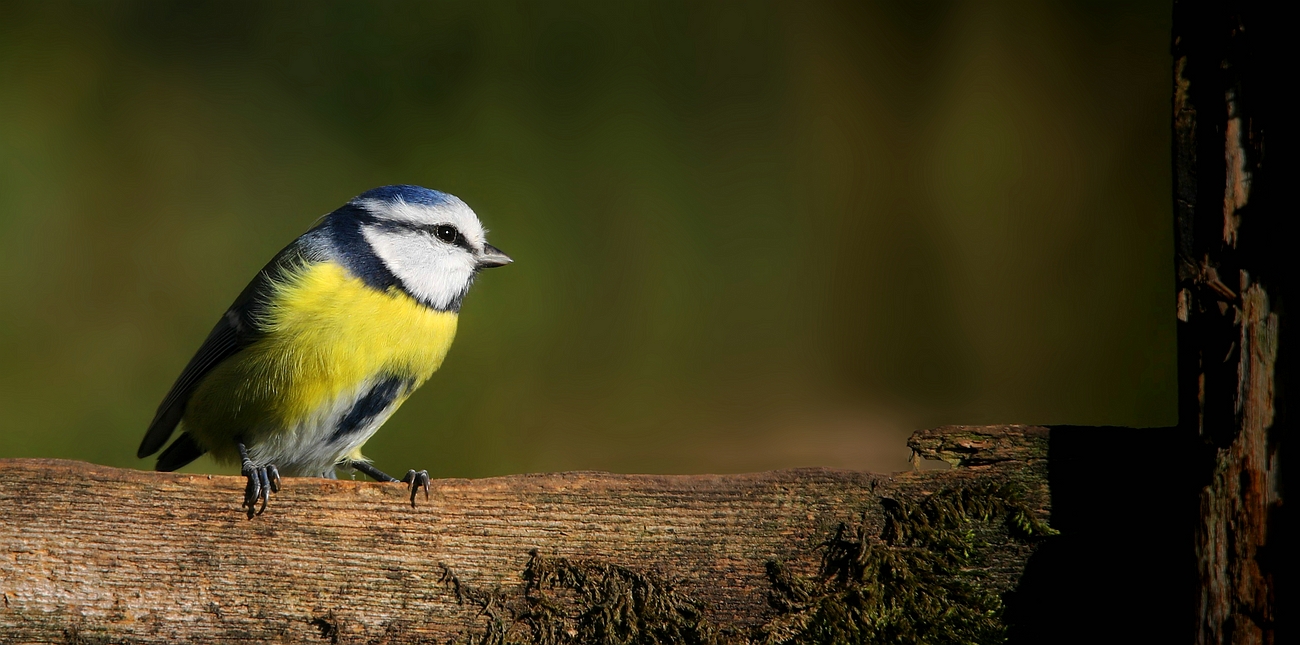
(446, 233)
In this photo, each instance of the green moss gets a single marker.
(588, 601)
(916, 579)
(495, 608)
(911, 584)
(585, 601)
(73, 636)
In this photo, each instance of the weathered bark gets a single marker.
(1231, 295)
(96, 554)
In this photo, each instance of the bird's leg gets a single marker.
(262, 481)
(372, 472)
(417, 479)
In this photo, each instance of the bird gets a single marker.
(326, 342)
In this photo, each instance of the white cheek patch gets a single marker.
(435, 273)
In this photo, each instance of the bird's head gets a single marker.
(430, 241)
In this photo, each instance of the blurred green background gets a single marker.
(748, 235)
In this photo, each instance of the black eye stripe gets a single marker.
(447, 233)
(457, 238)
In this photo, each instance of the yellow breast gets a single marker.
(326, 333)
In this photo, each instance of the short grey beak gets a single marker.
(492, 257)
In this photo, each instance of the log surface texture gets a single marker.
(91, 554)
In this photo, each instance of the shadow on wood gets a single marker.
(1122, 568)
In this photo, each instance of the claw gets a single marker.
(417, 480)
(262, 481)
(266, 488)
(252, 491)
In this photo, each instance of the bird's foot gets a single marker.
(262, 481)
(417, 480)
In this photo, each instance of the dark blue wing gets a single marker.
(237, 329)
(225, 340)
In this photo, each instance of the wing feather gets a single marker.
(224, 341)
(236, 330)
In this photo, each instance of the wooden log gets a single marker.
(96, 554)
(1233, 268)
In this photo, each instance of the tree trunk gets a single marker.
(1231, 295)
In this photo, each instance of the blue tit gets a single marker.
(327, 341)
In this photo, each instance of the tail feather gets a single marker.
(181, 452)
(160, 430)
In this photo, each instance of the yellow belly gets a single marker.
(326, 335)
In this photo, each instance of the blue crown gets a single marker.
(406, 193)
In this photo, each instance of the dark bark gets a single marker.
(1232, 289)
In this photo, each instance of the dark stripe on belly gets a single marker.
(370, 405)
